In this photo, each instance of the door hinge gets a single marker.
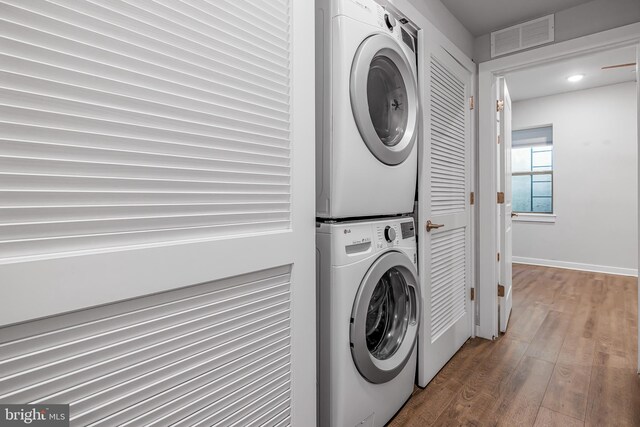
(499, 105)
(500, 197)
(498, 139)
(500, 290)
(471, 103)
(472, 198)
(473, 294)
(498, 256)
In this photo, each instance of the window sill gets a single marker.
(532, 217)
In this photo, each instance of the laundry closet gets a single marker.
(164, 256)
(393, 206)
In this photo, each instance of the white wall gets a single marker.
(446, 23)
(578, 21)
(595, 159)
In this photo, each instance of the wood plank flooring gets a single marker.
(568, 359)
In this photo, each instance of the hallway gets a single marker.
(568, 359)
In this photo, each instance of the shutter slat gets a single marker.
(56, 199)
(39, 246)
(186, 146)
(234, 173)
(224, 35)
(41, 62)
(184, 106)
(219, 346)
(448, 142)
(62, 152)
(82, 111)
(448, 280)
(83, 213)
(68, 24)
(157, 103)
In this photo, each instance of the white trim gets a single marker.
(576, 266)
(534, 217)
(638, 124)
(487, 148)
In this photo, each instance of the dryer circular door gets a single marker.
(384, 99)
(385, 317)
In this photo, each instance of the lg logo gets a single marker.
(347, 231)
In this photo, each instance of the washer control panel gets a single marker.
(355, 239)
(387, 235)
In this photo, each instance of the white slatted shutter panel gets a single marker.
(448, 280)
(448, 142)
(124, 123)
(216, 353)
(449, 164)
(444, 200)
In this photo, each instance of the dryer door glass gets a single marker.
(384, 319)
(384, 98)
(388, 315)
(387, 98)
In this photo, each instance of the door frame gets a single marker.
(489, 72)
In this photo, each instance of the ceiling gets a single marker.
(483, 16)
(551, 78)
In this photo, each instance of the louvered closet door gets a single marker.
(149, 146)
(444, 200)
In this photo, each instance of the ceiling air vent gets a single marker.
(522, 36)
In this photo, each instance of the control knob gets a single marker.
(389, 234)
(390, 21)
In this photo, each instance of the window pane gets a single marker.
(541, 159)
(521, 159)
(521, 193)
(541, 189)
(542, 205)
(542, 178)
(532, 193)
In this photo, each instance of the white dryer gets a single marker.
(369, 309)
(367, 116)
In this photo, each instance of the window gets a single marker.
(532, 170)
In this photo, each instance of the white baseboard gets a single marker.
(576, 266)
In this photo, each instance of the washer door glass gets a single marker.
(384, 99)
(388, 315)
(384, 319)
(387, 98)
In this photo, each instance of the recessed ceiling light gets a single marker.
(576, 78)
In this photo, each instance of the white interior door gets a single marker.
(158, 148)
(506, 208)
(444, 186)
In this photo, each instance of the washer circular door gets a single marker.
(384, 319)
(384, 99)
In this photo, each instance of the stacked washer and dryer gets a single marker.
(369, 299)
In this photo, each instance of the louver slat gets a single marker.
(124, 123)
(448, 153)
(448, 279)
(212, 353)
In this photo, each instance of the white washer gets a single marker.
(369, 309)
(367, 119)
